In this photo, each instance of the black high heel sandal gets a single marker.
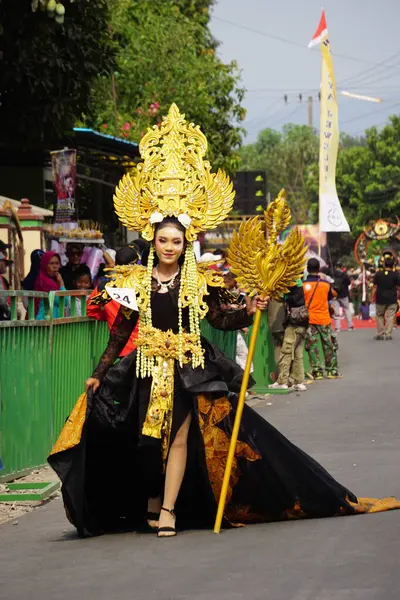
(171, 530)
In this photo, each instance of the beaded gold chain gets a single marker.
(145, 364)
(188, 297)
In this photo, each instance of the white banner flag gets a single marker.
(331, 215)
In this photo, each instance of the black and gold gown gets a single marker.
(108, 468)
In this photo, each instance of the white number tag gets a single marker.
(124, 296)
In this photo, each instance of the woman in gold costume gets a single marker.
(154, 428)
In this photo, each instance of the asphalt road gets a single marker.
(351, 426)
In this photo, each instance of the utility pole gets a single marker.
(310, 111)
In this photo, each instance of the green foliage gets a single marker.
(47, 68)
(376, 247)
(288, 158)
(367, 175)
(166, 54)
(55, 10)
(198, 10)
(349, 141)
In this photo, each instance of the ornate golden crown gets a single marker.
(173, 180)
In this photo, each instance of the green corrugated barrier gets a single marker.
(43, 367)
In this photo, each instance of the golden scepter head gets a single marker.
(262, 264)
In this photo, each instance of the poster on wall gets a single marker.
(64, 181)
(311, 238)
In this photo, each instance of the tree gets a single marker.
(368, 177)
(167, 55)
(349, 141)
(288, 158)
(48, 68)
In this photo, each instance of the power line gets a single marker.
(366, 73)
(267, 121)
(316, 90)
(362, 133)
(289, 90)
(265, 116)
(373, 112)
(296, 108)
(291, 42)
(381, 77)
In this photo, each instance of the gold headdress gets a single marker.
(173, 180)
(266, 266)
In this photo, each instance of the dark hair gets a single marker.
(389, 261)
(140, 245)
(313, 265)
(81, 271)
(71, 245)
(221, 252)
(126, 255)
(170, 221)
(29, 281)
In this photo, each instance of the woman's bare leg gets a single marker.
(153, 506)
(174, 474)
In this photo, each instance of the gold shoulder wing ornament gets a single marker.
(131, 277)
(213, 277)
(260, 262)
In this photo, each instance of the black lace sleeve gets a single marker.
(223, 319)
(120, 332)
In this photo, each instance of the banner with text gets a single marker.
(331, 216)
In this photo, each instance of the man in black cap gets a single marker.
(74, 253)
(386, 282)
(4, 247)
(341, 286)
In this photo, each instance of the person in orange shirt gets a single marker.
(109, 311)
(318, 294)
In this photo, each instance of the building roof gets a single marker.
(107, 143)
(36, 210)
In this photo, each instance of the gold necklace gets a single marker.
(164, 286)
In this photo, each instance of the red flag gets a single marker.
(321, 31)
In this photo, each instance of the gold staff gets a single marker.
(263, 266)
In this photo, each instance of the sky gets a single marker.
(365, 43)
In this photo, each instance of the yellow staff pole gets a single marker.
(236, 425)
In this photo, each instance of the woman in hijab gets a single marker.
(28, 283)
(48, 280)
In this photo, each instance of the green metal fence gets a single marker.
(43, 367)
(44, 364)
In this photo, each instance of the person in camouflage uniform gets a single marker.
(329, 347)
(318, 294)
(276, 316)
